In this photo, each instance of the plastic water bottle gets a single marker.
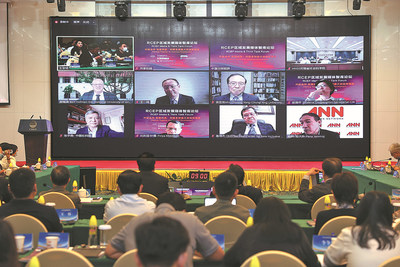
(327, 203)
(75, 186)
(92, 240)
(388, 168)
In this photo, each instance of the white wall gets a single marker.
(30, 62)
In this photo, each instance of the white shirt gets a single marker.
(345, 250)
(4, 163)
(127, 203)
(240, 98)
(92, 133)
(255, 128)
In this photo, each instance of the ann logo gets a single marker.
(353, 134)
(356, 125)
(333, 125)
(295, 125)
(328, 111)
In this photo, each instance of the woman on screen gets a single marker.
(372, 241)
(272, 230)
(323, 92)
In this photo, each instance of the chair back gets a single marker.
(275, 258)
(335, 225)
(319, 205)
(26, 224)
(245, 202)
(118, 222)
(61, 257)
(127, 259)
(148, 197)
(396, 226)
(62, 201)
(393, 262)
(229, 226)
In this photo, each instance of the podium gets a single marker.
(35, 137)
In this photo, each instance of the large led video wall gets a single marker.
(211, 88)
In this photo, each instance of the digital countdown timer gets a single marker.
(199, 176)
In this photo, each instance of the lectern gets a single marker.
(35, 136)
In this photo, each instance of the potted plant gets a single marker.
(68, 90)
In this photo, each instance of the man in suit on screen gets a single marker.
(172, 96)
(95, 129)
(237, 84)
(250, 125)
(311, 124)
(98, 93)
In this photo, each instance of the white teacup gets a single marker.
(51, 241)
(82, 193)
(19, 240)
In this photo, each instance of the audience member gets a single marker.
(225, 190)
(129, 186)
(2, 148)
(272, 230)
(9, 152)
(394, 150)
(162, 242)
(372, 240)
(200, 238)
(8, 248)
(23, 187)
(252, 192)
(60, 177)
(153, 183)
(330, 167)
(345, 191)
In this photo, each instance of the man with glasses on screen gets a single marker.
(173, 129)
(237, 84)
(172, 96)
(250, 125)
(311, 124)
(94, 129)
(98, 93)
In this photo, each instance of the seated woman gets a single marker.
(345, 191)
(272, 230)
(372, 240)
(323, 92)
(8, 248)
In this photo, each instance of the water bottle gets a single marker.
(92, 240)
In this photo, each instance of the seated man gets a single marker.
(225, 190)
(250, 125)
(252, 192)
(330, 167)
(129, 186)
(23, 187)
(394, 150)
(10, 151)
(168, 205)
(60, 177)
(153, 183)
(345, 191)
(94, 128)
(162, 242)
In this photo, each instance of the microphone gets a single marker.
(382, 160)
(365, 188)
(40, 117)
(31, 117)
(169, 176)
(46, 185)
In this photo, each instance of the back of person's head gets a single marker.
(331, 166)
(345, 187)
(374, 215)
(22, 182)
(271, 210)
(161, 242)
(8, 248)
(60, 175)
(238, 171)
(174, 199)
(129, 182)
(146, 161)
(4, 146)
(13, 147)
(225, 185)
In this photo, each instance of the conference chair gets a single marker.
(127, 259)
(275, 258)
(26, 224)
(245, 202)
(335, 225)
(396, 226)
(62, 257)
(62, 201)
(393, 262)
(118, 222)
(229, 226)
(148, 197)
(319, 205)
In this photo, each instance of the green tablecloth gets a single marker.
(374, 180)
(43, 180)
(298, 208)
